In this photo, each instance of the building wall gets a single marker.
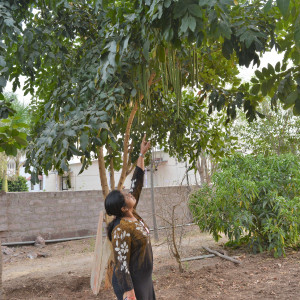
(23, 216)
(169, 172)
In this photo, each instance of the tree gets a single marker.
(278, 132)
(14, 128)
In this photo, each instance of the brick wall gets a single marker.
(54, 215)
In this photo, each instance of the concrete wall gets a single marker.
(23, 216)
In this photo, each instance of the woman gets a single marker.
(132, 276)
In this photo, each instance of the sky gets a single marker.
(245, 74)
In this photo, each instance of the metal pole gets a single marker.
(152, 201)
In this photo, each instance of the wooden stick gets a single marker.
(197, 257)
(221, 255)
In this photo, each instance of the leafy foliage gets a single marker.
(12, 135)
(18, 184)
(88, 61)
(278, 132)
(253, 200)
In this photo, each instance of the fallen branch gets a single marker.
(221, 255)
(197, 257)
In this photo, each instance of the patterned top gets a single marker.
(131, 244)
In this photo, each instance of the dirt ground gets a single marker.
(62, 271)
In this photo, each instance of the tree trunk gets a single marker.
(102, 172)
(4, 181)
(201, 168)
(108, 219)
(207, 176)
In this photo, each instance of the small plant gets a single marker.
(18, 184)
(254, 201)
(174, 215)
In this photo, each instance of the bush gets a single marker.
(16, 185)
(253, 200)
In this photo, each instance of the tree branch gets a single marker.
(127, 136)
(111, 170)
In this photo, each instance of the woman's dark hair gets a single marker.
(113, 203)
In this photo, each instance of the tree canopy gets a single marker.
(90, 62)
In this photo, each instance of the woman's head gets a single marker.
(117, 204)
(114, 202)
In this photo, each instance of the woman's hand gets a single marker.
(145, 145)
(130, 295)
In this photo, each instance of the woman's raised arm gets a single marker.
(138, 175)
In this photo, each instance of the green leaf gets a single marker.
(207, 2)
(192, 23)
(184, 24)
(265, 72)
(297, 36)
(133, 93)
(146, 49)
(296, 109)
(271, 69)
(259, 75)
(70, 132)
(84, 140)
(268, 6)
(291, 98)
(2, 81)
(227, 49)
(167, 3)
(254, 80)
(225, 29)
(264, 88)
(283, 5)
(195, 10)
(103, 136)
(179, 10)
(255, 89)
(2, 61)
(74, 150)
(277, 67)
(64, 166)
(161, 53)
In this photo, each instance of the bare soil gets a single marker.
(65, 273)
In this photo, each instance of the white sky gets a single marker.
(245, 74)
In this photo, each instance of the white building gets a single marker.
(169, 172)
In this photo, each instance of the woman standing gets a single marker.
(132, 276)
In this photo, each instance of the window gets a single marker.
(65, 185)
(41, 184)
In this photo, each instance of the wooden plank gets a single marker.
(197, 257)
(101, 256)
(222, 255)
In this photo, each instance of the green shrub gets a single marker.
(253, 200)
(16, 185)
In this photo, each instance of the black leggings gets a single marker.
(118, 291)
